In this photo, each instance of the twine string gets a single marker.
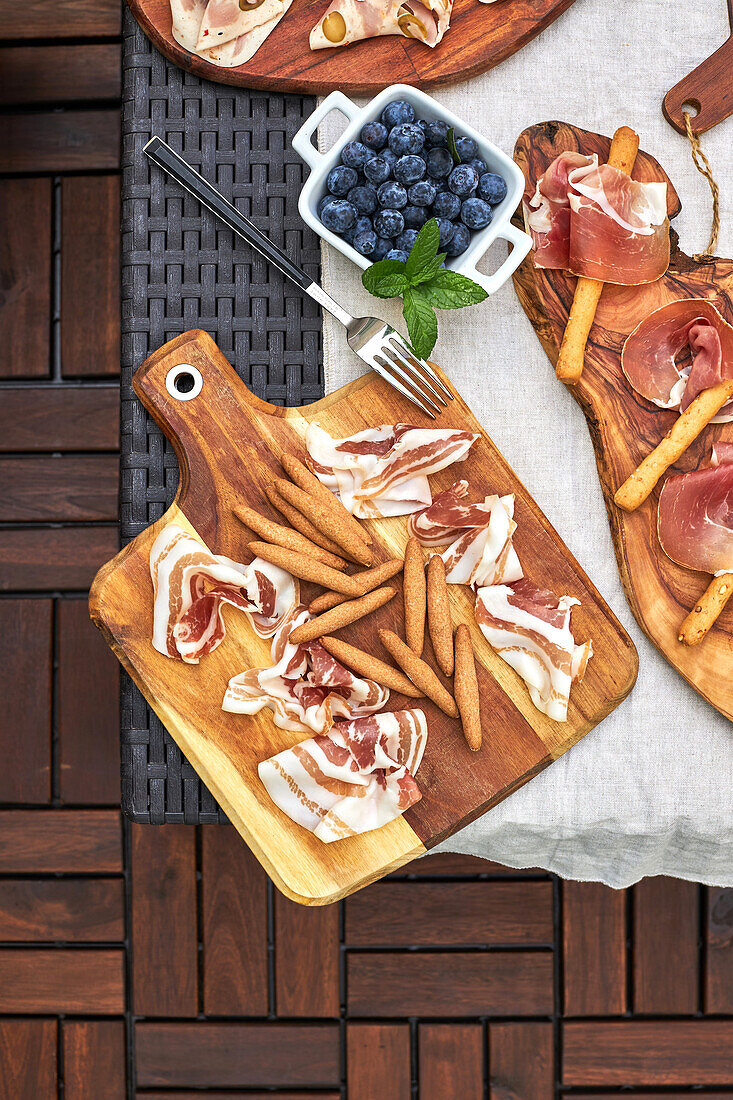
(703, 166)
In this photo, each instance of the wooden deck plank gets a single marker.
(60, 418)
(451, 1061)
(94, 1059)
(665, 928)
(455, 864)
(25, 690)
(25, 262)
(521, 1061)
(60, 841)
(594, 942)
(66, 141)
(62, 488)
(209, 1095)
(71, 980)
(28, 1059)
(306, 959)
(44, 559)
(378, 1061)
(719, 953)
(72, 910)
(81, 19)
(47, 74)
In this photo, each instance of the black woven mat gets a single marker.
(180, 271)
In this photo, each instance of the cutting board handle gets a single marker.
(708, 88)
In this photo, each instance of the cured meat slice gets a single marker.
(225, 32)
(384, 471)
(695, 515)
(191, 585)
(530, 628)
(239, 50)
(304, 687)
(547, 211)
(357, 778)
(346, 21)
(678, 351)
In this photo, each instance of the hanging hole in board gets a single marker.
(691, 107)
(184, 382)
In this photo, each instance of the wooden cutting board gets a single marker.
(623, 426)
(480, 36)
(224, 440)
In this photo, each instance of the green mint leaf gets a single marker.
(430, 270)
(422, 324)
(452, 146)
(451, 290)
(385, 279)
(423, 250)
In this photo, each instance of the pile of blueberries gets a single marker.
(399, 175)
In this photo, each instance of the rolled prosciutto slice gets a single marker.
(678, 351)
(529, 627)
(356, 778)
(695, 515)
(346, 21)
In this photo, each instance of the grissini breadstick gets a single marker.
(465, 688)
(299, 522)
(439, 620)
(342, 615)
(308, 569)
(685, 429)
(414, 587)
(298, 472)
(273, 532)
(706, 610)
(368, 579)
(421, 674)
(570, 360)
(323, 517)
(367, 665)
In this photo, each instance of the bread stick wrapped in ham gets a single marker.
(347, 21)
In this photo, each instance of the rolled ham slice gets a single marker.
(695, 515)
(678, 351)
(225, 32)
(347, 21)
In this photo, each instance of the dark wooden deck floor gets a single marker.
(160, 961)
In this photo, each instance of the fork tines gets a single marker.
(413, 377)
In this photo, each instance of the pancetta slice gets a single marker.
(304, 687)
(356, 778)
(384, 471)
(530, 628)
(191, 585)
(678, 351)
(695, 515)
(346, 21)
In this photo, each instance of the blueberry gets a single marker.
(415, 216)
(377, 170)
(374, 135)
(446, 229)
(406, 138)
(409, 170)
(388, 223)
(399, 110)
(423, 124)
(364, 198)
(397, 254)
(492, 188)
(437, 132)
(390, 157)
(321, 203)
(475, 213)
(338, 215)
(479, 164)
(340, 180)
(463, 180)
(365, 242)
(422, 193)
(383, 246)
(446, 205)
(354, 154)
(406, 240)
(361, 225)
(392, 195)
(466, 148)
(459, 242)
(440, 163)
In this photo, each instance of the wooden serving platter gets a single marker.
(225, 440)
(480, 36)
(623, 426)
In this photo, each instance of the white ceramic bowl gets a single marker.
(428, 108)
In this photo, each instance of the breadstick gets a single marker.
(308, 569)
(706, 610)
(413, 581)
(367, 665)
(285, 536)
(685, 429)
(439, 620)
(368, 580)
(299, 522)
(298, 472)
(323, 517)
(465, 688)
(341, 616)
(570, 360)
(421, 674)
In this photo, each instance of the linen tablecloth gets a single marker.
(647, 792)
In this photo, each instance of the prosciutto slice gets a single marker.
(384, 471)
(530, 628)
(695, 515)
(678, 351)
(191, 586)
(304, 687)
(594, 220)
(346, 21)
(356, 778)
(225, 32)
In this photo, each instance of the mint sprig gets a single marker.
(424, 287)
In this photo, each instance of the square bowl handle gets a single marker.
(521, 243)
(302, 144)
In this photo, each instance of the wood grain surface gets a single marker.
(480, 36)
(624, 427)
(226, 440)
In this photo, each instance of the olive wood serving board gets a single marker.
(226, 440)
(479, 37)
(623, 426)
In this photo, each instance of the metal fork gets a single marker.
(377, 343)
